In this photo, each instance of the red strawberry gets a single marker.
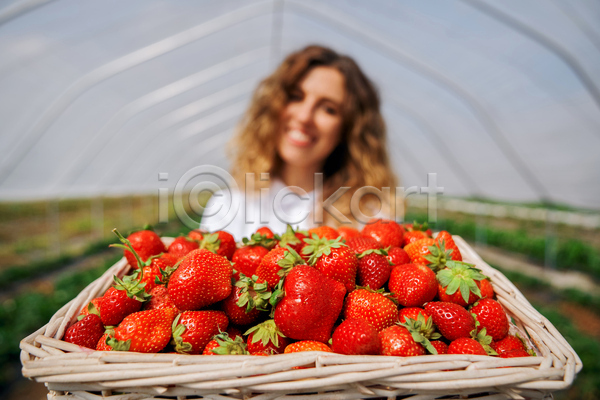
(86, 332)
(197, 234)
(492, 317)
(293, 239)
(449, 244)
(486, 288)
(102, 345)
(440, 347)
(244, 304)
(181, 246)
(192, 330)
(373, 307)
(159, 298)
(91, 308)
(266, 232)
(412, 313)
(144, 331)
(398, 256)
(220, 242)
(398, 341)
(355, 337)
(247, 259)
(413, 284)
(386, 232)
(418, 249)
(276, 264)
(153, 272)
(222, 344)
(466, 345)
(324, 232)
(266, 338)
(334, 259)
(515, 353)
(414, 232)
(203, 278)
(452, 320)
(361, 244)
(307, 345)
(422, 330)
(146, 243)
(348, 232)
(458, 283)
(374, 269)
(509, 343)
(116, 305)
(311, 304)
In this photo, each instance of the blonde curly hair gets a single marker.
(361, 158)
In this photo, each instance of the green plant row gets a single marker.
(10, 275)
(27, 312)
(570, 254)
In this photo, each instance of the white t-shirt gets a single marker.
(242, 214)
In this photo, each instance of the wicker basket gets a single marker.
(72, 372)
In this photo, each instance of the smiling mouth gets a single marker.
(299, 138)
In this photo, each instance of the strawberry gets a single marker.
(222, 344)
(159, 298)
(348, 232)
(310, 306)
(396, 340)
(276, 264)
(203, 278)
(181, 246)
(307, 345)
(144, 331)
(153, 274)
(247, 258)
(491, 316)
(486, 288)
(509, 343)
(91, 308)
(146, 243)
(266, 232)
(220, 242)
(361, 244)
(386, 232)
(445, 238)
(324, 232)
(422, 329)
(116, 303)
(266, 338)
(458, 283)
(86, 332)
(293, 239)
(355, 337)
(440, 347)
(102, 345)
(413, 284)
(246, 300)
(414, 232)
(412, 313)
(197, 234)
(452, 320)
(418, 249)
(192, 330)
(466, 345)
(374, 269)
(515, 353)
(398, 256)
(372, 306)
(334, 259)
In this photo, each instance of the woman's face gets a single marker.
(312, 120)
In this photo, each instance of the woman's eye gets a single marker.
(331, 110)
(295, 96)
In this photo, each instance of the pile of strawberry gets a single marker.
(389, 289)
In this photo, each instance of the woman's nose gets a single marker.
(304, 112)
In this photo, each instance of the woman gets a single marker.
(313, 127)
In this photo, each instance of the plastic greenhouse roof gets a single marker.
(500, 99)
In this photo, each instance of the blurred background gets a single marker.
(104, 105)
